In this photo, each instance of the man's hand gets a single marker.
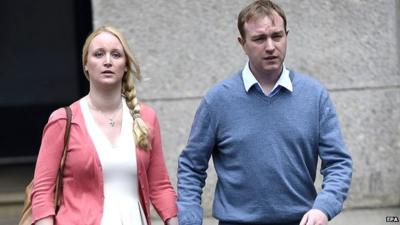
(314, 217)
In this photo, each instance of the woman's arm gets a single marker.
(47, 165)
(162, 194)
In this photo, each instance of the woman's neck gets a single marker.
(105, 101)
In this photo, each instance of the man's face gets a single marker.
(265, 44)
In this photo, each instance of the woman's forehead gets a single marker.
(105, 40)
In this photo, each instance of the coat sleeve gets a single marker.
(47, 165)
(336, 166)
(162, 194)
(192, 166)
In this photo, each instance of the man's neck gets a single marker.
(267, 81)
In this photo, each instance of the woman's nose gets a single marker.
(107, 62)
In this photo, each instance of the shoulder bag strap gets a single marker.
(59, 182)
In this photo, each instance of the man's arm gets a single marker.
(192, 166)
(336, 166)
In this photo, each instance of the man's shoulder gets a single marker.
(227, 86)
(305, 80)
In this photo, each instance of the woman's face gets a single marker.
(106, 60)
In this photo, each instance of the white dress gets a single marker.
(121, 195)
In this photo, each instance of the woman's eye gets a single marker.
(98, 54)
(116, 55)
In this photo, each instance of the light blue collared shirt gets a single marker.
(284, 80)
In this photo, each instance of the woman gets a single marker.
(114, 166)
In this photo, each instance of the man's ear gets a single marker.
(241, 40)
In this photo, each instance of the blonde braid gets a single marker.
(140, 129)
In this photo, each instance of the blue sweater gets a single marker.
(265, 152)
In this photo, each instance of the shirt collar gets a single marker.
(249, 80)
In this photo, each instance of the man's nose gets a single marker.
(269, 45)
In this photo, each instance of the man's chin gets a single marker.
(276, 69)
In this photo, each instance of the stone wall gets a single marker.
(184, 47)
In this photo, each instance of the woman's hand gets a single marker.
(45, 221)
(172, 221)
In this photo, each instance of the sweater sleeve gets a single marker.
(162, 194)
(336, 166)
(47, 165)
(192, 166)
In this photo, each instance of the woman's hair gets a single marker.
(128, 90)
(258, 9)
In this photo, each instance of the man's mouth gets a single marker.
(270, 57)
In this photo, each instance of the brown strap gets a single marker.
(59, 182)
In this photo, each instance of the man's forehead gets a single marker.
(273, 22)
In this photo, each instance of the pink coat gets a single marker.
(82, 198)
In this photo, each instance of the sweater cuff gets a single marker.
(328, 205)
(190, 214)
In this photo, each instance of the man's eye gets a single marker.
(259, 40)
(277, 37)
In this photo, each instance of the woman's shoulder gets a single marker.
(61, 113)
(146, 110)
(148, 114)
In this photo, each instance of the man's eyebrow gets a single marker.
(278, 32)
(258, 35)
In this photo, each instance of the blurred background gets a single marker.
(186, 46)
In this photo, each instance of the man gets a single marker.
(265, 127)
